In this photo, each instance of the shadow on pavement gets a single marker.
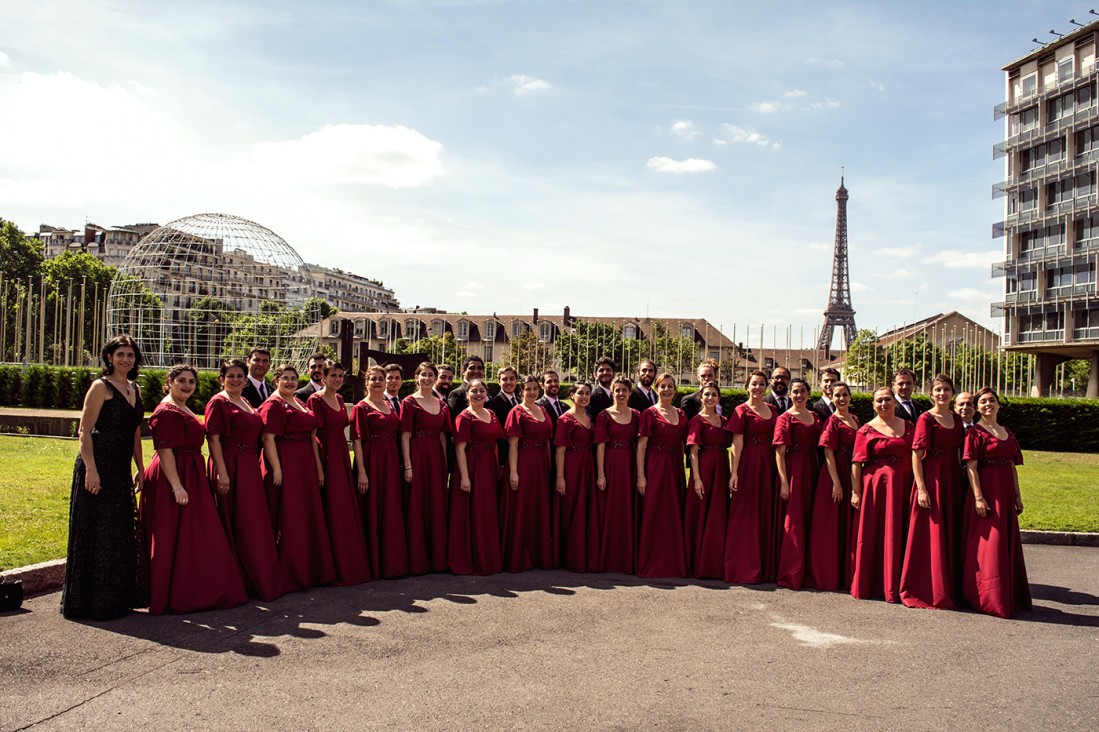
(254, 629)
(1063, 595)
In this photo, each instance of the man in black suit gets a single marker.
(642, 396)
(965, 406)
(601, 396)
(502, 403)
(550, 399)
(456, 401)
(692, 404)
(823, 406)
(904, 383)
(316, 377)
(779, 398)
(258, 388)
(445, 381)
(394, 377)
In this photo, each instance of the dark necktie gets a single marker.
(396, 405)
(514, 401)
(652, 397)
(781, 404)
(910, 409)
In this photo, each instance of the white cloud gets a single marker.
(523, 85)
(482, 89)
(965, 260)
(829, 63)
(766, 107)
(825, 103)
(897, 252)
(859, 287)
(685, 129)
(744, 134)
(690, 165)
(5, 62)
(819, 246)
(719, 142)
(474, 286)
(878, 85)
(534, 286)
(897, 274)
(969, 294)
(795, 94)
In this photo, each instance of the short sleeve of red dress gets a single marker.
(694, 429)
(1017, 457)
(514, 426)
(409, 407)
(861, 452)
(645, 425)
(359, 427)
(782, 429)
(830, 435)
(217, 417)
(463, 427)
(167, 428)
(274, 417)
(921, 440)
(564, 431)
(602, 429)
(974, 444)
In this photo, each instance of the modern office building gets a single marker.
(1051, 225)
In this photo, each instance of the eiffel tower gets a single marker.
(839, 313)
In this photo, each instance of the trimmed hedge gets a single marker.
(1063, 425)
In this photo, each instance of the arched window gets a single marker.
(630, 331)
(360, 328)
(383, 328)
(490, 331)
(687, 331)
(436, 327)
(545, 331)
(334, 326)
(463, 330)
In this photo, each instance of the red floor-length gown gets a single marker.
(994, 578)
(243, 509)
(341, 495)
(617, 503)
(931, 553)
(749, 535)
(191, 565)
(297, 509)
(802, 471)
(829, 548)
(579, 514)
(660, 551)
(383, 503)
(425, 512)
(525, 512)
(474, 534)
(704, 518)
(882, 513)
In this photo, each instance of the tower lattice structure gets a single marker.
(839, 313)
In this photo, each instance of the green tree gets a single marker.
(439, 349)
(317, 309)
(527, 354)
(20, 256)
(674, 354)
(282, 330)
(20, 260)
(75, 283)
(577, 351)
(866, 364)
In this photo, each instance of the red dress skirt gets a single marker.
(617, 503)
(579, 515)
(704, 518)
(383, 503)
(341, 495)
(243, 509)
(473, 541)
(801, 473)
(829, 547)
(297, 509)
(883, 512)
(994, 578)
(525, 512)
(660, 550)
(931, 555)
(191, 566)
(425, 512)
(750, 531)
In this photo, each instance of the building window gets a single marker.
(1085, 96)
(383, 328)
(1058, 192)
(1028, 199)
(1028, 281)
(1024, 120)
(1084, 274)
(714, 355)
(1029, 86)
(1087, 140)
(1086, 230)
(487, 355)
(1064, 70)
(1044, 154)
(1059, 107)
(1084, 184)
(436, 328)
(490, 330)
(360, 328)
(1058, 278)
(545, 331)
(687, 331)
(333, 327)
(412, 328)
(463, 330)
(630, 331)
(516, 328)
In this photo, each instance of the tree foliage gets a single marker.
(527, 354)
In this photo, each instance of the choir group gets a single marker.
(911, 507)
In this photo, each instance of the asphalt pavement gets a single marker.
(551, 650)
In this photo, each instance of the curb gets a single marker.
(1060, 538)
(48, 576)
(38, 578)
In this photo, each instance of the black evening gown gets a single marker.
(103, 571)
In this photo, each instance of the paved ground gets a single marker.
(553, 649)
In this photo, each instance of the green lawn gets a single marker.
(1060, 490)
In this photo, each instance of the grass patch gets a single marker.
(1060, 491)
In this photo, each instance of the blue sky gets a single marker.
(672, 158)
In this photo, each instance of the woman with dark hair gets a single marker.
(994, 578)
(881, 477)
(104, 564)
(578, 514)
(931, 554)
(233, 431)
(341, 501)
(616, 479)
(797, 432)
(374, 429)
(191, 565)
(662, 485)
(525, 505)
(707, 508)
(294, 476)
(473, 540)
(425, 423)
(750, 532)
(830, 541)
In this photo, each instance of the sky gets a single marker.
(623, 158)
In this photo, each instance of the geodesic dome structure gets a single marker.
(211, 286)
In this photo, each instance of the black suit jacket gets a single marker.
(822, 409)
(691, 404)
(770, 399)
(544, 403)
(252, 395)
(905, 414)
(305, 392)
(457, 400)
(638, 400)
(501, 406)
(600, 400)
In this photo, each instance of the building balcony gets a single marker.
(1086, 75)
(1042, 336)
(1085, 334)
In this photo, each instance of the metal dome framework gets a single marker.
(211, 286)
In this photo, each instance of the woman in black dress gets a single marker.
(103, 571)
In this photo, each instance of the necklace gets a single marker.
(124, 387)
